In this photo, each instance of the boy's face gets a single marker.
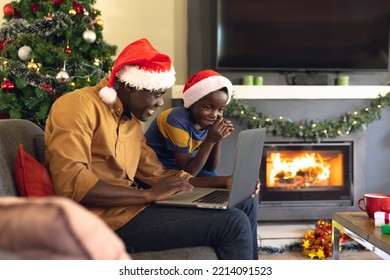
(206, 111)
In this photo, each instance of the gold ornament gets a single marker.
(96, 62)
(49, 17)
(32, 66)
(99, 22)
(72, 12)
(72, 84)
(5, 63)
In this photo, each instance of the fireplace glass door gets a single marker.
(306, 172)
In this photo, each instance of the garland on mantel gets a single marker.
(308, 130)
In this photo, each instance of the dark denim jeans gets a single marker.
(232, 233)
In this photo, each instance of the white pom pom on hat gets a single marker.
(141, 66)
(202, 83)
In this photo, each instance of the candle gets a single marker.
(259, 80)
(248, 80)
(343, 80)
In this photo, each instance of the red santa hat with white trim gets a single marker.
(141, 66)
(202, 83)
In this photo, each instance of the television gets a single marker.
(303, 35)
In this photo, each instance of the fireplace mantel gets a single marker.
(300, 92)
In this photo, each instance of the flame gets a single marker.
(306, 170)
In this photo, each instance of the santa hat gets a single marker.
(141, 66)
(203, 83)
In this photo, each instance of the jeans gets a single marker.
(232, 232)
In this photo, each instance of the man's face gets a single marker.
(140, 103)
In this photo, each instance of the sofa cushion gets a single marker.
(31, 177)
(55, 228)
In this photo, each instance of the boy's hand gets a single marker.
(220, 129)
(229, 128)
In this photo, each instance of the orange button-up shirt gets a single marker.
(87, 140)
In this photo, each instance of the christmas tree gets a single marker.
(49, 48)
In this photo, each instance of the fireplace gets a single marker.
(302, 172)
(308, 181)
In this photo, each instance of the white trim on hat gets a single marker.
(204, 87)
(107, 95)
(140, 79)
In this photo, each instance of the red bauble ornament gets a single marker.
(8, 10)
(34, 7)
(78, 8)
(1, 45)
(68, 50)
(17, 13)
(4, 115)
(7, 86)
(57, 2)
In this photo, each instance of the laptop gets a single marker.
(245, 175)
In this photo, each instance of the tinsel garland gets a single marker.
(19, 69)
(308, 130)
(43, 27)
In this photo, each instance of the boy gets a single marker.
(189, 137)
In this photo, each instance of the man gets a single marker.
(95, 149)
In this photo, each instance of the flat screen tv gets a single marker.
(303, 35)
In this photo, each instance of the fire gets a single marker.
(308, 169)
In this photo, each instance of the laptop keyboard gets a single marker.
(217, 196)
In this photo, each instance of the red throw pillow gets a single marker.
(31, 177)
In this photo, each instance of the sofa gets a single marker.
(18, 131)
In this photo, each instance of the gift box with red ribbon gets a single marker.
(381, 218)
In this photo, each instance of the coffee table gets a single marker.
(362, 229)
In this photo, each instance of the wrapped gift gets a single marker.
(381, 218)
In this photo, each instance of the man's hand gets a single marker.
(167, 187)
